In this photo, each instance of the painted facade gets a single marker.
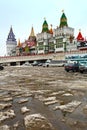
(56, 40)
(49, 40)
(28, 46)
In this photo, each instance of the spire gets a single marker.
(63, 20)
(19, 44)
(51, 30)
(80, 37)
(32, 32)
(45, 26)
(11, 36)
(32, 38)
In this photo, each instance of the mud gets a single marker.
(39, 85)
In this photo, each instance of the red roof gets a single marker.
(80, 37)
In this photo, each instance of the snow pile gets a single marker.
(49, 99)
(37, 122)
(67, 94)
(3, 106)
(51, 102)
(70, 107)
(24, 109)
(5, 127)
(23, 100)
(6, 115)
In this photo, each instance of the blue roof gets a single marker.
(11, 36)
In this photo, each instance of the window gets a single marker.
(51, 46)
(59, 43)
(40, 46)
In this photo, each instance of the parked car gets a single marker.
(74, 67)
(26, 64)
(40, 64)
(1, 67)
(35, 63)
(46, 64)
(83, 67)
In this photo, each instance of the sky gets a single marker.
(23, 14)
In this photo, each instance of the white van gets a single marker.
(55, 63)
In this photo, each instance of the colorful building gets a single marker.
(55, 40)
(81, 42)
(49, 40)
(44, 38)
(28, 46)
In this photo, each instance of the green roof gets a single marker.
(45, 23)
(63, 16)
(63, 20)
(45, 27)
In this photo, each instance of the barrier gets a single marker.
(54, 56)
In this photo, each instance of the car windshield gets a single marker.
(83, 63)
(69, 64)
(48, 61)
(72, 64)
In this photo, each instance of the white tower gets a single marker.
(11, 43)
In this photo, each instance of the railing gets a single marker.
(57, 55)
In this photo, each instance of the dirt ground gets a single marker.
(59, 96)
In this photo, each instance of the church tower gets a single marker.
(63, 35)
(45, 39)
(11, 43)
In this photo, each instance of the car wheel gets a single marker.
(81, 71)
(47, 65)
(1, 67)
(67, 70)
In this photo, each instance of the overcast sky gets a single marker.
(22, 14)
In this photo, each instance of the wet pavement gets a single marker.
(59, 96)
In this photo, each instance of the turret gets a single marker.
(11, 36)
(63, 20)
(51, 30)
(32, 36)
(79, 36)
(45, 26)
(19, 43)
(11, 43)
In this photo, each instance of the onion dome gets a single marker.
(80, 37)
(45, 26)
(63, 20)
(51, 30)
(11, 36)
